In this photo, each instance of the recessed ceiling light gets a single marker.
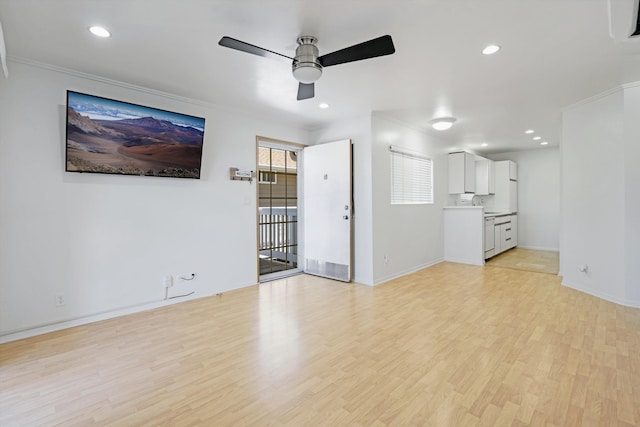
(442, 123)
(537, 138)
(323, 105)
(99, 31)
(529, 131)
(484, 144)
(491, 49)
(544, 143)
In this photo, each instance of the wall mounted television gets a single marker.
(114, 137)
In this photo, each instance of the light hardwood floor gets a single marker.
(451, 345)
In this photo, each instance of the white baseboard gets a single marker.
(405, 272)
(84, 320)
(604, 296)
(479, 261)
(539, 248)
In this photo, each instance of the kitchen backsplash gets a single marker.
(470, 200)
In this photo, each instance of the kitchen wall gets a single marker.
(538, 197)
(104, 241)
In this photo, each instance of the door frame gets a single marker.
(291, 146)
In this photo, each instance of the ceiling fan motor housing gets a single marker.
(306, 67)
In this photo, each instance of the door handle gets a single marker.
(345, 217)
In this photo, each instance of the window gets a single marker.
(411, 178)
(267, 177)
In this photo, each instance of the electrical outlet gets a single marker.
(386, 259)
(59, 300)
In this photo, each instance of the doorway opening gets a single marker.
(278, 213)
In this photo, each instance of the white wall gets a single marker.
(538, 197)
(632, 191)
(594, 195)
(359, 131)
(106, 241)
(410, 236)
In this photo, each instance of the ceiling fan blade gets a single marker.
(306, 91)
(249, 48)
(370, 49)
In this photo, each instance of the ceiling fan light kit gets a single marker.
(307, 65)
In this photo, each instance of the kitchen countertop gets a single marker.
(486, 213)
(494, 214)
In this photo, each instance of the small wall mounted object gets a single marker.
(236, 174)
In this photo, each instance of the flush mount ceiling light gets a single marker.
(530, 131)
(99, 31)
(323, 105)
(544, 143)
(442, 123)
(537, 138)
(491, 49)
(484, 144)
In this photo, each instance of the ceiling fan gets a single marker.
(307, 65)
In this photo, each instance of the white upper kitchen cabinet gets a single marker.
(506, 190)
(462, 173)
(513, 170)
(485, 177)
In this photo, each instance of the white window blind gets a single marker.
(411, 178)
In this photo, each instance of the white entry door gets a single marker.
(327, 210)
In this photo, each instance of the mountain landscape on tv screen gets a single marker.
(132, 146)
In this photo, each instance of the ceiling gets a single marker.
(554, 53)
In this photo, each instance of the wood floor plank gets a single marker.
(451, 344)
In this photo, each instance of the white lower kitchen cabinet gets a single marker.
(471, 236)
(505, 234)
(464, 234)
(514, 228)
